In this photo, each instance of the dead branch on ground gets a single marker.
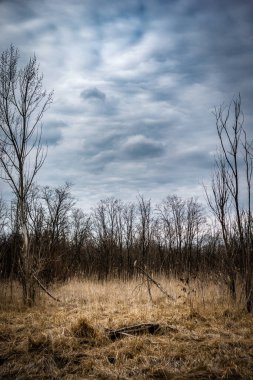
(151, 328)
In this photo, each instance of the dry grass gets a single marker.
(202, 335)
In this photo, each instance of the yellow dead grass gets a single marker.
(202, 336)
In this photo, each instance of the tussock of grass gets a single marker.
(83, 329)
(202, 335)
(39, 343)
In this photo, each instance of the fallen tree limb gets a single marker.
(45, 289)
(150, 328)
(159, 286)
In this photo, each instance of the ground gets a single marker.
(201, 335)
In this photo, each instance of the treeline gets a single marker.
(171, 238)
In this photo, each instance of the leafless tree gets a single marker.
(107, 222)
(193, 229)
(58, 203)
(181, 223)
(23, 103)
(81, 241)
(248, 160)
(144, 228)
(219, 201)
(227, 187)
(3, 216)
(129, 216)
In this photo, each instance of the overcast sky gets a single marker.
(135, 83)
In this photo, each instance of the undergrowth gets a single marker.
(202, 334)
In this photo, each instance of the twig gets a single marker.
(45, 290)
(149, 278)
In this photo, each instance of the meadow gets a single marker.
(201, 334)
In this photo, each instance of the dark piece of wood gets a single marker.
(150, 328)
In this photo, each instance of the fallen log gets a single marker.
(148, 328)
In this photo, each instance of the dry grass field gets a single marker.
(201, 335)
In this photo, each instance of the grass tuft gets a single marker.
(83, 329)
(39, 343)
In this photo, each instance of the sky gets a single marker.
(135, 83)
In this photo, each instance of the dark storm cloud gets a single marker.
(223, 43)
(93, 93)
(18, 10)
(120, 149)
(139, 147)
(197, 158)
(99, 151)
(52, 132)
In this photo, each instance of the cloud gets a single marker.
(134, 84)
(52, 132)
(138, 147)
(93, 93)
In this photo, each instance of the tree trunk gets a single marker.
(249, 285)
(28, 282)
(29, 290)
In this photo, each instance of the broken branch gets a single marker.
(159, 286)
(45, 289)
(150, 328)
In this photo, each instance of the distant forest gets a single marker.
(44, 238)
(172, 238)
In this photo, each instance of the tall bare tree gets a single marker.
(3, 215)
(248, 160)
(23, 102)
(219, 202)
(144, 228)
(229, 182)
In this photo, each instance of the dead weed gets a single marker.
(69, 341)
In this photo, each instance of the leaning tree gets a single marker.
(23, 102)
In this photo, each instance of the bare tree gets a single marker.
(230, 179)
(129, 216)
(59, 203)
(3, 216)
(219, 202)
(248, 160)
(107, 222)
(23, 103)
(144, 228)
(181, 223)
(194, 222)
(58, 206)
(81, 239)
